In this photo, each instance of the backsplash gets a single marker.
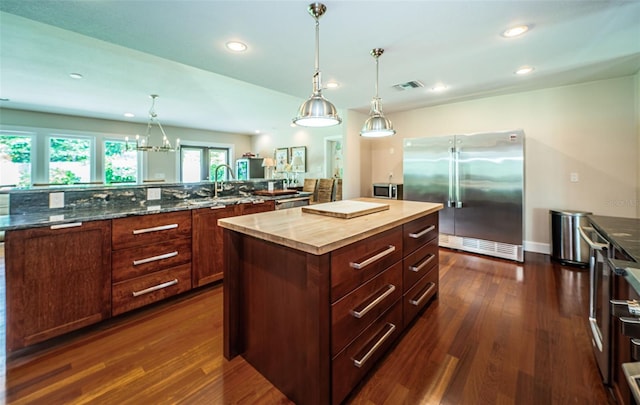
(29, 201)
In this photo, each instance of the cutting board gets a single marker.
(274, 192)
(345, 209)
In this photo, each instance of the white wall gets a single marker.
(590, 129)
(157, 165)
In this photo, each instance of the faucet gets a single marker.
(215, 178)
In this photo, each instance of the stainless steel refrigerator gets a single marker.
(479, 178)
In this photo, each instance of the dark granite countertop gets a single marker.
(623, 233)
(47, 218)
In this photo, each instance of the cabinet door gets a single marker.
(208, 256)
(58, 280)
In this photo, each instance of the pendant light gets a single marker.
(317, 111)
(377, 125)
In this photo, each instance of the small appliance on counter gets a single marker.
(249, 169)
(391, 191)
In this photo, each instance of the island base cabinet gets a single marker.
(419, 295)
(57, 280)
(353, 363)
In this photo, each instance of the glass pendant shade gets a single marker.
(377, 126)
(317, 111)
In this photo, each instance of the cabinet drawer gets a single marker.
(354, 264)
(138, 261)
(254, 208)
(417, 297)
(419, 231)
(356, 360)
(354, 312)
(148, 229)
(140, 291)
(419, 263)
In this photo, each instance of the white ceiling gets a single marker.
(128, 49)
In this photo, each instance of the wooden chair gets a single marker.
(325, 190)
(338, 188)
(311, 186)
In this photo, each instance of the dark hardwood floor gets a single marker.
(499, 333)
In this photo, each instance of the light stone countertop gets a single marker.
(320, 234)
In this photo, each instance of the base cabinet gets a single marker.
(58, 279)
(314, 325)
(208, 255)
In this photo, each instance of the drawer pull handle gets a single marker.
(155, 288)
(417, 302)
(217, 207)
(155, 258)
(372, 259)
(359, 314)
(422, 233)
(423, 264)
(155, 229)
(360, 363)
(63, 226)
(630, 321)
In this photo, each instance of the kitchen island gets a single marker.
(313, 301)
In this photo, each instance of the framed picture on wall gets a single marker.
(282, 159)
(299, 159)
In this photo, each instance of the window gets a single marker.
(69, 160)
(15, 159)
(120, 163)
(197, 163)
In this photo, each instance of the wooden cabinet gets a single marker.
(208, 254)
(314, 325)
(58, 279)
(621, 344)
(151, 259)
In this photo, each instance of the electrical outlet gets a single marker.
(573, 177)
(56, 200)
(154, 193)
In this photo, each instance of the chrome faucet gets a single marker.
(215, 178)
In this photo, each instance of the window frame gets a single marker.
(32, 152)
(93, 164)
(206, 146)
(103, 165)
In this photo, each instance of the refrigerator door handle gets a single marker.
(450, 198)
(458, 203)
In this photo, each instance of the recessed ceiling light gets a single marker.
(439, 87)
(523, 70)
(129, 115)
(257, 131)
(236, 46)
(333, 85)
(515, 31)
(76, 76)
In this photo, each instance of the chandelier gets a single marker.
(143, 143)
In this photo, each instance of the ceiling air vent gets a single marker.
(414, 84)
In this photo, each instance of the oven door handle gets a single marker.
(592, 244)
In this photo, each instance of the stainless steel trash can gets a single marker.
(567, 246)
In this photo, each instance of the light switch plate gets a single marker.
(56, 200)
(573, 177)
(153, 193)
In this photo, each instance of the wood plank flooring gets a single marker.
(499, 333)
